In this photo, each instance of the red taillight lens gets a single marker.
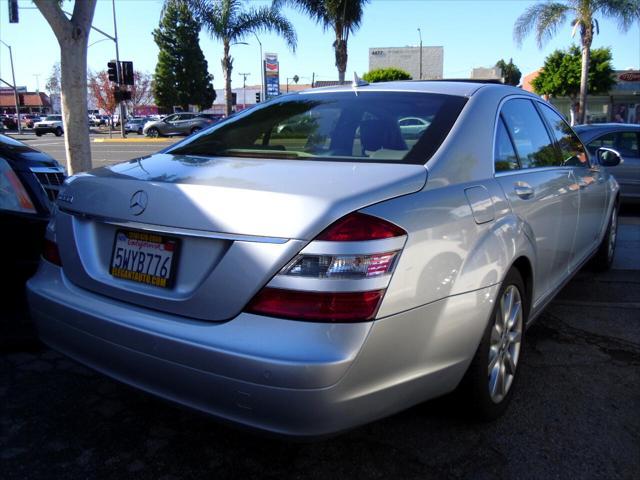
(51, 253)
(317, 306)
(357, 227)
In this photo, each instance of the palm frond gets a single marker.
(626, 12)
(544, 18)
(263, 19)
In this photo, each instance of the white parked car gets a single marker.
(50, 124)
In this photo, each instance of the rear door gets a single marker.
(540, 190)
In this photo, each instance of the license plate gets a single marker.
(144, 258)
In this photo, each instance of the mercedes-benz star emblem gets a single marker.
(138, 202)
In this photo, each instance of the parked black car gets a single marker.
(29, 184)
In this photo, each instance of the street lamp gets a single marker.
(15, 89)
(420, 34)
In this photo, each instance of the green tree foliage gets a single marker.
(386, 75)
(546, 17)
(341, 16)
(560, 75)
(510, 72)
(181, 77)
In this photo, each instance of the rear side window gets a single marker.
(505, 155)
(532, 142)
(363, 126)
(571, 148)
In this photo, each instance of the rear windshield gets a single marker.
(364, 127)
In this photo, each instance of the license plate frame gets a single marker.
(149, 241)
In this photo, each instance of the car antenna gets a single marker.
(357, 82)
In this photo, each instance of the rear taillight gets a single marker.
(341, 276)
(51, 253)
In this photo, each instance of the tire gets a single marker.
(58, 132)
(603, 257)
(139, 132)
(153, 132)
(195, 129)
(481, 390)
(38, 134)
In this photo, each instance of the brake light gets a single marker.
(51, 253)
(317, 306)
(357, 227)
(341, 276)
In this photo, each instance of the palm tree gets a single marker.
(230, 23)
(342, 16)
(545, 18)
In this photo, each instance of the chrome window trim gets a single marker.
(186, 232)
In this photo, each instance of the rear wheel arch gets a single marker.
(524, 267)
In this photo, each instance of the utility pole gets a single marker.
(244, 89)
(118, 69)
(420, 34)
(37, 75)
(15, 89)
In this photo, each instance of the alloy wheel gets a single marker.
(505, 342)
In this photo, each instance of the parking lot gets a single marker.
(574, 415)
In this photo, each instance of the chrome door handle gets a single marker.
(523, 190)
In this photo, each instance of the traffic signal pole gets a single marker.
(118, 69)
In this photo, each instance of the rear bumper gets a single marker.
(286, 377)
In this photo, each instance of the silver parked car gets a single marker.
(178, 124)
(625, 139)
(308, 280)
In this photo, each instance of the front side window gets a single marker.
(608, 140)
(363, 126)
(532, 142)
(627, 144)
(571, 148)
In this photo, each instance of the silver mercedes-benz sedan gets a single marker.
(307, 280)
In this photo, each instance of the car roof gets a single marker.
(590, 131)
(462, 88)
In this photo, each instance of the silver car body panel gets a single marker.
(242, 220)
(284, 376)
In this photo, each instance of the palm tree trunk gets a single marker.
(340, 46)
(227, 68)
(587, 38)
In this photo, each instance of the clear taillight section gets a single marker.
(13, 195)
(341, 266)
(341, 276)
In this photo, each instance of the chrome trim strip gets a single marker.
(366, 247)
(306, 284)
(47, 169)
(187, 232)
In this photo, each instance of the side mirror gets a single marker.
(608, 157)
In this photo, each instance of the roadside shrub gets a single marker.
(386, 75)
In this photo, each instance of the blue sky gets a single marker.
(473, 33)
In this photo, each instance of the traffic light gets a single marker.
(126, 69)
(112, 71)
(13, 11)
(121, 95)
(257, 97)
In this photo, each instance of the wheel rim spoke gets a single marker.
(504, 344)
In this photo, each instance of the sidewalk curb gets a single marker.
(132, 140)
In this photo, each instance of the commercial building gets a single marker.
(621, 104)
(28, 102)
(408, 59)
